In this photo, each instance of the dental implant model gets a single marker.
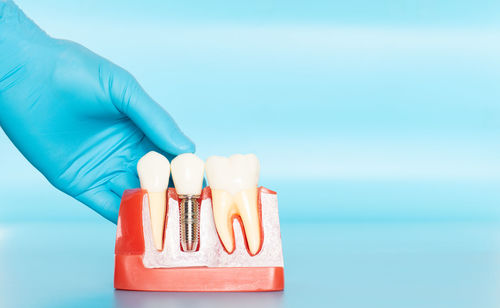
(154, 172)
(187, 173)
(223, 238)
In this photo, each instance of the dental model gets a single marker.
(154, 172)
(233, 182)
(227, 239)
(187, 173)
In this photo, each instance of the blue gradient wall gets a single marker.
(382, 111)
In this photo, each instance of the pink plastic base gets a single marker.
(130, 273)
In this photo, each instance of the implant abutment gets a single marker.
(189, 220)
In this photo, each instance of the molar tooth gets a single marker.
(154, 172)
(234, 183)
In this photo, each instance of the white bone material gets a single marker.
(211, 252)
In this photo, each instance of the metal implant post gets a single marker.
(187, 173)
(189, 222)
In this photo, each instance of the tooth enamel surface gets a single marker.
(154, 172)
(233, 182)
(187, 173)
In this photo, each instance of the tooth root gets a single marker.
(223, 209)
(246, 203)
(157, 212)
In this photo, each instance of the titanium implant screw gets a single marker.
(189, 222)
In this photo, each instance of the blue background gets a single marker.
(379, 114)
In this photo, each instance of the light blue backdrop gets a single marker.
(358, 110)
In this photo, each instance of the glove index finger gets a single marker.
(105, 202)
(156, 123)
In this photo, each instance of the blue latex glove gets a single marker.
(82, 121)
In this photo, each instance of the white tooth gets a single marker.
(233, 182)
(154, 171)
(187, 173)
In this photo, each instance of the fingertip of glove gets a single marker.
(184, 144)
(113, 220)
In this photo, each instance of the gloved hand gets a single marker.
(82, 121)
